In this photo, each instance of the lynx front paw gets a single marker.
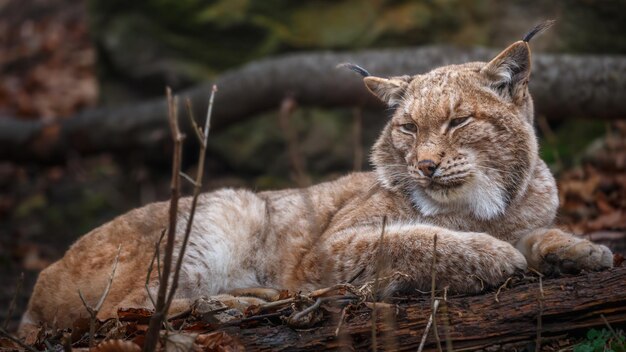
(553, 252)
(484, 261)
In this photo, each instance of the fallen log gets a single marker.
(563, 86)
(506, 320)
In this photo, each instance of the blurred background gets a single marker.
(61, 59)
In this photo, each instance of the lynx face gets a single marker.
(461, 137)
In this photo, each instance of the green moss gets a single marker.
(31, 204)
(602, 341)
(571, 138)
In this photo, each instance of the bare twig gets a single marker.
(430, 322)
(188, 178)
(308, 310)
(433, 271)
(93, 311)
(194, 202)
(500, 288)
(287, 108)
(324, 291)
(446, 320)
(253, 318)
(539, 316)
(192, 119)
(357, 132)
(366, 290)
(18, 289)
(154, 327)
(317, 294)
(342, 317)
(16, 340)
(155, 257)
(379, 260)
(165, 295)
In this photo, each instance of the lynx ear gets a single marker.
(389, 90)
(510, 70)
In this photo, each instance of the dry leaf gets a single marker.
(117, 345)
(218, 342)
(139, 315)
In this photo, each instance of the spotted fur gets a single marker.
(458, 159)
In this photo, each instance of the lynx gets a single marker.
(458, 159)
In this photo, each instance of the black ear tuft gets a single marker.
(538, 29)
(356, 68)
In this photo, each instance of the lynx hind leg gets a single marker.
(552, 251)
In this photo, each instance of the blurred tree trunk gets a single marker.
(563, 86)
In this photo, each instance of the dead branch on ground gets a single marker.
(596, 90)
(93, 311)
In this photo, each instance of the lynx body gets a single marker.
(458, 159)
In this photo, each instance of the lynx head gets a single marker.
(461, 137)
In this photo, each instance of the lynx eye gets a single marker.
(457, 122)
(409, 128)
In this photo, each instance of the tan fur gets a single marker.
(489, 193)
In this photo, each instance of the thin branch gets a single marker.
(16, 340)
(154, 327)
(539, 316)
(433, 270)
(18, 289)
(253, 318)
(207, 122)
(155, 257)
(188, 178)
(194, 125)
(430, 322)
(502, 286)
(93, 311)
(376, 282)
(342, 317)
(446, 320)
(308, 310)
(194, 201)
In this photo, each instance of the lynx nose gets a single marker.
(427, 167)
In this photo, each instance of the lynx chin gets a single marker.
(458, 159)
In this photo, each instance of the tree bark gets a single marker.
(569, 305)
(562, 85)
